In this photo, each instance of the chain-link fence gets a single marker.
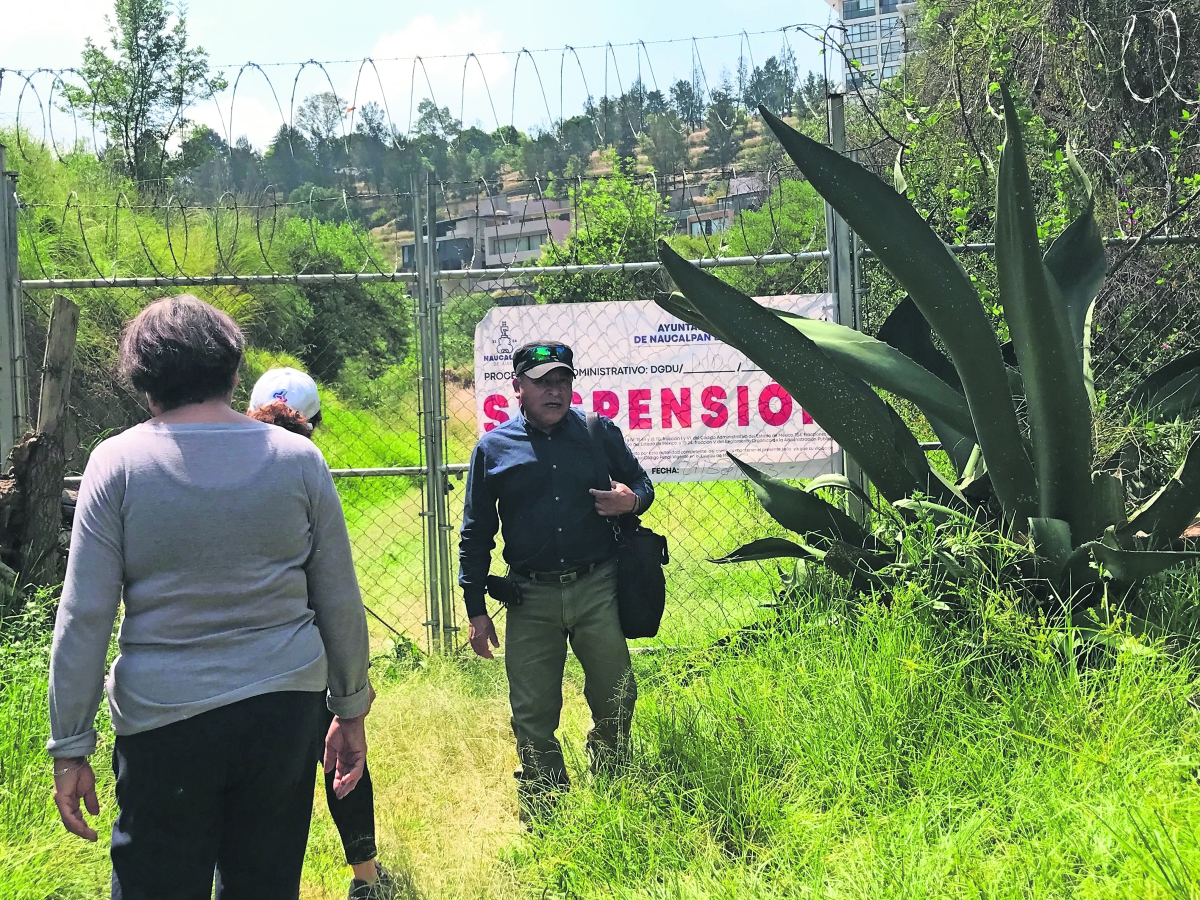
(364, 315)
(362, 336)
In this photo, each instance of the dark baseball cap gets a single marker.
(539, 358)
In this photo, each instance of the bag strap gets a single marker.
(595, 429)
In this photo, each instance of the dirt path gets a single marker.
(441, 757)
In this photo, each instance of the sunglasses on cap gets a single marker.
(537, 355)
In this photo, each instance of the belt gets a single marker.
(566, 576)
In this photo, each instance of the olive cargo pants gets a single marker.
(585, 612)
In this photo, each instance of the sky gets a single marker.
(498, 85)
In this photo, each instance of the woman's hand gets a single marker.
(74, 780)
(346, 753)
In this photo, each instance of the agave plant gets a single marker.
(1016, 421)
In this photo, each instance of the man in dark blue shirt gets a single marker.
(534, 478)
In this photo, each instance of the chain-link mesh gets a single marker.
(360, 338)
(369, 407)
(703, 520)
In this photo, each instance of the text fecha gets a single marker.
(774, 407)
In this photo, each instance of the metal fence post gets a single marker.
(438, 419)
(12, 338)
(843, 264)
(429, 430)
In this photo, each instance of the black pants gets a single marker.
(354, 814)
(230, 789)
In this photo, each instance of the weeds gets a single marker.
(889, 752)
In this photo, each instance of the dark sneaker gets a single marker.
(383, 888)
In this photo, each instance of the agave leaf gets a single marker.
(1131, 566)
(1077, 573)
(898, 178)
(1051, 539)
(679, 306)
(1170, 391)
(1085, 183)
(906, 330)
(926, 268)
(799, 511)
(974, 483)
(1176, 399)
(929, 481)
(940, 514)
(958, 447)
(770, 548)
(885, 367)
(845, 406)
(1108, 501)
(1089, 376)
(1058, 407)
(839, 483)
(1165, 515)
(1078, 265)
(858, 566)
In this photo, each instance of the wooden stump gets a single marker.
(39, 461)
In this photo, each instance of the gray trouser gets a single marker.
(585, 611)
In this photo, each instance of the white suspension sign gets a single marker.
(681, 397)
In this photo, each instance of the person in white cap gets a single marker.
(291, 387)
(288, 398)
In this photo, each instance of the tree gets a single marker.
(538, 155)
(245, 166)
(142, 91)
(333, 324)
(656, 103)
(772, 85)
(202, 164)
(689, 103)
(320, 117)
(290, 161)
(665, 143)
(473, 157)
(723, 121)
(616, 220)
(369, 143)
(437, 122)
(810, 96)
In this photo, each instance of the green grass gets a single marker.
(38, 858)
(853, 751)
(887, 754)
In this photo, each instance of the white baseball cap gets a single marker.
(291, 386)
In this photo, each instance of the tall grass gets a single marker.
(885, 754)
(38, 859)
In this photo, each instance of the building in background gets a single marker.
(496, 234)
(876, 38)
(694, 213)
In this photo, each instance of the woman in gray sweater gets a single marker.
(225, 540)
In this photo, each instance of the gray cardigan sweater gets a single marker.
(227, 544)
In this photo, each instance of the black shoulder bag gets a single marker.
(641, 554)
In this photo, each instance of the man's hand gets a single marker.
(481, 633)
(78, 781)
(617, 502)
(346, 753)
